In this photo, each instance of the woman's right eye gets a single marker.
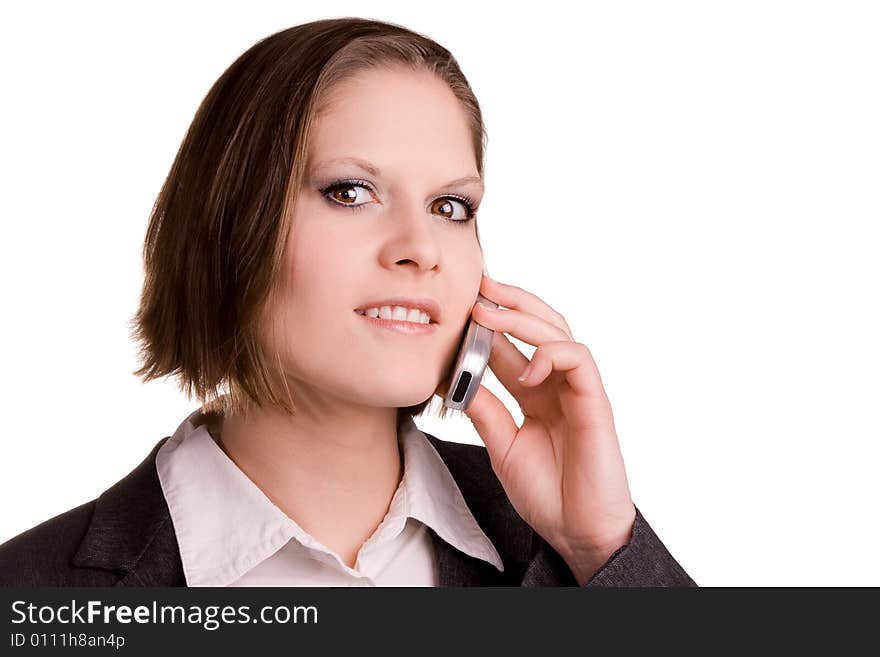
(344, 193)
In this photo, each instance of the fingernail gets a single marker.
(525, 374)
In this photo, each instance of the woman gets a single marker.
(311, 264)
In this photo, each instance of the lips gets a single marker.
(397, 326)
(424, 304)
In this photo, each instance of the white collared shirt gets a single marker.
(231, 534)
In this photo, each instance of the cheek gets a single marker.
(320, 272)
(314, 315)
(468, 272)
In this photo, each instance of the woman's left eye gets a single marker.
(341, 193)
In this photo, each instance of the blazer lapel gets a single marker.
(512, 537)
(460, 569)
(131, 532)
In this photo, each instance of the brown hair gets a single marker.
(214, 246)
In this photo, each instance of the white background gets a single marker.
(694, 185)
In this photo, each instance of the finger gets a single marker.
(511, 296)
(576, 362)
(494, 424)
(522, 325)
(507, 361)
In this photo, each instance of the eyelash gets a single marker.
(466, 201)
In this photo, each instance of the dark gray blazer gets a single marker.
(125, 537)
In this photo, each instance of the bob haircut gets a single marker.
(215, 243)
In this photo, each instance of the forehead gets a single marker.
(394, 116)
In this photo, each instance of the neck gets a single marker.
(333, 475)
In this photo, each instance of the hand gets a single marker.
(562, 469)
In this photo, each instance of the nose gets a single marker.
(412, 238)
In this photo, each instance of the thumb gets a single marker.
(493, 423)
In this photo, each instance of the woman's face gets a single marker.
(404, 239)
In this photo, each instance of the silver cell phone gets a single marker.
(473, 356)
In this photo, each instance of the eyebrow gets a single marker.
(373, 170)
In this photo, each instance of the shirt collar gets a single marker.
(225, 525)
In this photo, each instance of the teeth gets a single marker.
(398, 313)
